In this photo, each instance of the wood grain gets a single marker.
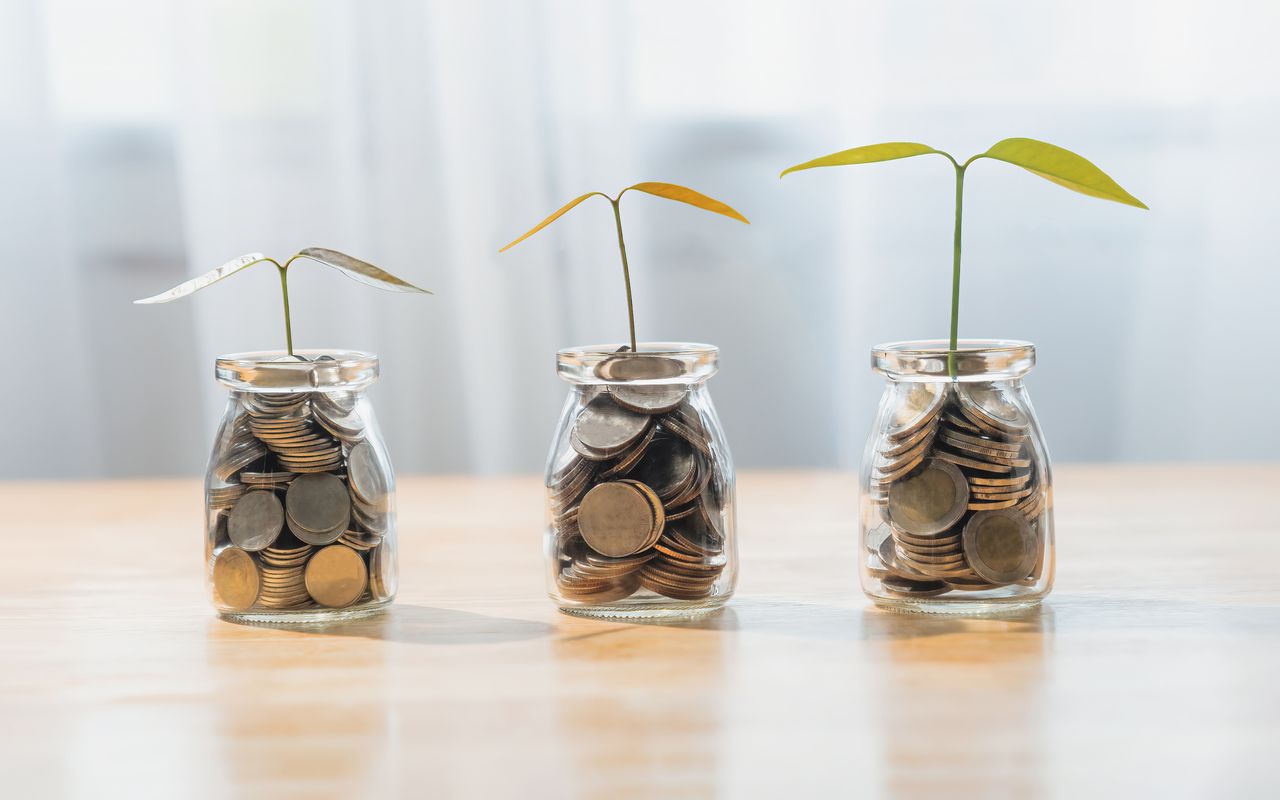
(1153, 670)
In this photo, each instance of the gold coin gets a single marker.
(336, 576)
(236, 579)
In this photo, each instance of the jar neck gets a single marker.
(304, 371)
(652, 363)
(974, 360)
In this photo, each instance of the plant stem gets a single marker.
(955, 274)
(284, 292)
(626, 272)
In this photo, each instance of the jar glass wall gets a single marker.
(957, 491)
(300, 516)
(640, 485)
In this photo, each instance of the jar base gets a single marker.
(1001, 605)
(309, 616)
(654, 609)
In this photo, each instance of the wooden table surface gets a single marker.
(1152, 671)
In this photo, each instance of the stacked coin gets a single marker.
(300, 505)
(638, 499)
(957, 484)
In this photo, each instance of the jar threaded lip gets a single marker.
(975, 359)
(652, 362)
(309, 370)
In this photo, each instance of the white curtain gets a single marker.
(148, 141)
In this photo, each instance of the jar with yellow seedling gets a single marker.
(956, 512)
(640, 484)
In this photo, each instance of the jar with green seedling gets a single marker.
(639, 481)
(300, 517)
(956, 511)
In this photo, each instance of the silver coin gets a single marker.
(368, 479)
(1000, 545)
(649, 398)
(669, 465)
(905, 587)
(604, 426)
(628, 367)
(319, 507)
(930, 500)
(255, 521)
(986, 402)
(915, 405)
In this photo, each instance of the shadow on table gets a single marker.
(427, 625)
(722, 619)
(882, 625)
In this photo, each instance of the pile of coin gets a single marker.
(637, 502)
(957, 483)
(299, 503)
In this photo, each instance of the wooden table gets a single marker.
(1153, 670)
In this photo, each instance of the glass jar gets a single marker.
(299, 493)
(640, 485)
(957, 494)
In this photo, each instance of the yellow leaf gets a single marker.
(867, 154)
(564, 208)
(1061, 166)
(683, 194)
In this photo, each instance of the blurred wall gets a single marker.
(145, 142)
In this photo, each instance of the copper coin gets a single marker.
(617, 519)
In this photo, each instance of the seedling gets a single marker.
(353, 268)
(668, 190)
(1050, 162)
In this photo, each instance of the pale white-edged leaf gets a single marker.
(208, 279)
(358, 270)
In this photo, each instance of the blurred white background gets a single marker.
(144, 142)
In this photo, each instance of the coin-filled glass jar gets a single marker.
(957, 493)
(300, 516)
(640, 485)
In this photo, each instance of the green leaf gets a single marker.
(867, 154)
(1061, 166)
(358, 270)
(560, 213)
(683, 194)
(208, 279)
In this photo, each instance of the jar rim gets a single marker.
(975, 359)
(309, 370)
(652, 362)
(645, 349)
(933, 347)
